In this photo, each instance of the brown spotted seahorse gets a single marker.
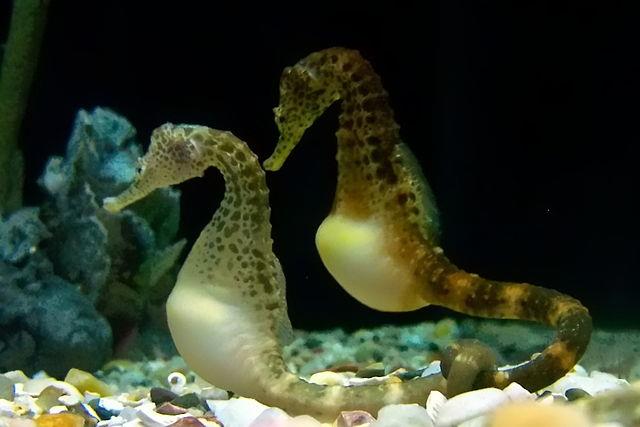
(380, 240)
(227, 312)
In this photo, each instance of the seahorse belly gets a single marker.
(219, 340)
(355, 254)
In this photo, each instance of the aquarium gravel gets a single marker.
(158, 393)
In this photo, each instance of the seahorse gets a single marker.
(380, 240)
(227, 312)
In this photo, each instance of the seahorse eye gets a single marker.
(140, 164)
(280, 118)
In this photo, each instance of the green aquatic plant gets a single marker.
(381, 239)
(19, 60)
(227, 312)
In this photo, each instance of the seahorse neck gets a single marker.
(241, 223)
(368, 133)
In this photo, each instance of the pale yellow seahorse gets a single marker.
(380, 240)
(227, 312)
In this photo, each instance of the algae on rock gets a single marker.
(76, 275)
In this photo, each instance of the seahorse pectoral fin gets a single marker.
(429, 219)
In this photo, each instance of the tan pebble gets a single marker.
(84, 381)
(530, 414)
(327, 378)
(16, 376)
(49, 397)
(21, 422)
(60, 420)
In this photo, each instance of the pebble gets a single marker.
(60, 420)
(527, 414)
(103, 413)
(90, 416)
(575, 393)
(112, 422)
(547, 398)
(597, 382)
(432, 369)
(188, 422)
(7, 390)
(89, 395)
(84, 381)
(111, 405)
(303, 421)
(516, 393)
(16, 376)
(409, 415)
(129, 413)
(214, 393)
(328, 378)
(408, 375)
(373, 370)
(21, 422)
(270, 417)
(236, 412)
(435, 401)
(7, 408)
(353, 419)
(27, 405)
(168, 408)
(275, 417)
(68, 400)
(469, 405)
(189, 400)
(150, 418)
(35, 386)
(161, 395)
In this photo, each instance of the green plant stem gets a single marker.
(16, 74)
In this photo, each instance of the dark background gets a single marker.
(524, 118)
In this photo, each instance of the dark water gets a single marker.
(524, 119)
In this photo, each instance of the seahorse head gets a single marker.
(172, 157)
(304, 96)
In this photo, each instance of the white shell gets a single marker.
(151, 418)
(517, 393)
(470, 405)
(408, 415)
(595, 383)
(435, 401)
(238, 412)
